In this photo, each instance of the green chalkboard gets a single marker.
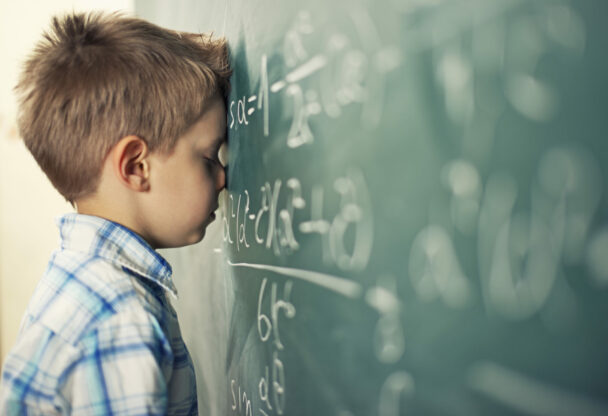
(416, 214)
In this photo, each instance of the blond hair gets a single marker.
(95, 78)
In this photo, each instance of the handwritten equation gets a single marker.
(346, 74)
(522, 249)
(275, 227)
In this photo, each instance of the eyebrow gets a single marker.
(215, 144)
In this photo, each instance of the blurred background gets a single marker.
(472, 133)
(28, 202)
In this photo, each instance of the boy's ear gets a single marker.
(131, 164)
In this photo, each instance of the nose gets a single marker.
(221, 180)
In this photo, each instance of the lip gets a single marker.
(212, 216)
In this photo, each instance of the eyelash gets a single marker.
(213, 163)
(219, 158)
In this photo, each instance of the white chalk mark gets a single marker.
(528, 395)
(397, 386)
(252, 98)
(252, 217)
(531, 97)
(313, 108)
(388, 59)
(382, 300)
(217, 250)
(435, 269)
(278, 86)
(264, 94)
(339, 285)
(250, 111)
(314, 64)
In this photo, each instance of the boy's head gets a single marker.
(106, 102)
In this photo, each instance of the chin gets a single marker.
(198, 235)
(198, 240)
(192, 239)
(195, 235)
(187, 241)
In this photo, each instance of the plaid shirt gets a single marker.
(99, 336)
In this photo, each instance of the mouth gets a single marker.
(212, 216)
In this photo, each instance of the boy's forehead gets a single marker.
(211, 128)
(217, 142)
(209, 138)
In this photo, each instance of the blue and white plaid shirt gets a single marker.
(99, 336)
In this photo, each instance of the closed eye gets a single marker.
(212, 162)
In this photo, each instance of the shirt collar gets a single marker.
(117, 244)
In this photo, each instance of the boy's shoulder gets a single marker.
(74, 301)
(102, 276)
(98, 312)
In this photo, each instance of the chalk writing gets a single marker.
(275, 227)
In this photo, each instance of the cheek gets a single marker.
(198, 194)
(188, 191)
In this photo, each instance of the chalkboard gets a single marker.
(416, 215)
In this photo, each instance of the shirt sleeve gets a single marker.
(31, 371)
(123, 370)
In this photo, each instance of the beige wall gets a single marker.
(28, 202)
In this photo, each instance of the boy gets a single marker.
(126, 120)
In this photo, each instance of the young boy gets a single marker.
(126, 120)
